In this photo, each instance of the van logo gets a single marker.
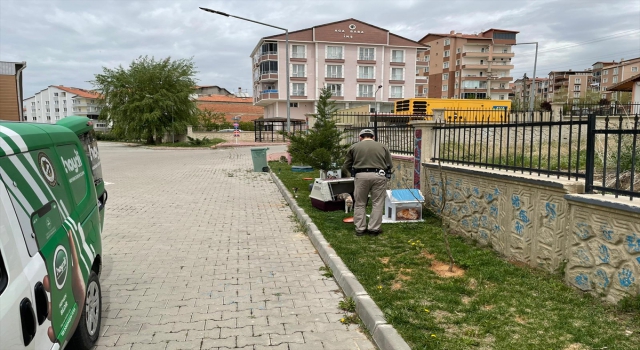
(93, 152)
(60, 266)
(47, 170)
(72, 164)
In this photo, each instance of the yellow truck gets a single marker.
(460, 109)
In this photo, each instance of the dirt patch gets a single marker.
(521, 320)
(440, 315)
(384, 260)
(575, 346)
(487, 307)
(403, 277)
(518, 263)
(427, 255)
(473, 284)
(396, 286)
(466, 300)
(442, 269)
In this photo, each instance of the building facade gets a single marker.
(612, 73)
(56, 102)
(241, 108)
(475, 66)
(11, 90)
(569, 86)
(522, 91)
(362, 65)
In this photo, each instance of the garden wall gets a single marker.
(403, 172)
(545, 223)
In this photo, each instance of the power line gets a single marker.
(592, 41)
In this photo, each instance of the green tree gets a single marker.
(210, 120)
(321, 146)
(561, 95)
(148, 98)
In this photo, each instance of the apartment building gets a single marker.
(350, 57)
(475, 66)
(569, 86)
(11, 90)
(56, 102)
(612, 73)
(523, 89)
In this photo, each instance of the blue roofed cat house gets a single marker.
(403, 205)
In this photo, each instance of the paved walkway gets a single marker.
(202, 253)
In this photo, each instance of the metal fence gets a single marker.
(576, 144)
(398, 138)
(381, 119)
(272, 130)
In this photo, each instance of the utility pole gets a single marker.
(524, 87)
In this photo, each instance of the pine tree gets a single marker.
(321, 146)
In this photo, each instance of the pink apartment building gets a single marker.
(350, 57)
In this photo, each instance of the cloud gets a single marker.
(69, 41)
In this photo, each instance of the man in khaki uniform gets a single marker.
(370, 164)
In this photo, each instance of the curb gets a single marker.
(384, 335)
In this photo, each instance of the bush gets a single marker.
(247, 126)
(107, 136)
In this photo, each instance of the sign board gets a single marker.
(235, 125)
(236, 133)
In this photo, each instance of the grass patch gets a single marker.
(494, 305)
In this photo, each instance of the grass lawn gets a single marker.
(495, 305)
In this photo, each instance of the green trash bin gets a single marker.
(259, 156)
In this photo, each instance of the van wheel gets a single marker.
(88, 329)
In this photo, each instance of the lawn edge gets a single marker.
(384, 335)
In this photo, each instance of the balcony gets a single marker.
(422, 77)
(503, 55)
(475, 54)
(267, 56)
(501, 65)
(475, 66)
(421, 94)
(268, 76)
(263, 98)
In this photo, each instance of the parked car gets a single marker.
(52, 203)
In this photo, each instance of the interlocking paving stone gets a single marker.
(202, 253)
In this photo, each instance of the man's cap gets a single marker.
(366, 131)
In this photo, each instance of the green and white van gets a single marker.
(52, 202)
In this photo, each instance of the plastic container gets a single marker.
(259, 157)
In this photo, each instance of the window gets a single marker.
(605, 80)
(634, 69)
(397, 74)
(614, 80)
(426, 69)
(298, 71)
(446, 53)
(56, 102)
(578, 81)
(397, 56)
(395, 92)
(75, 102)
(365, 90)
(33, 103)
(447, 42)
(55, 94)
(64, 102)
(269, 49)
(57, 109)
(426, 58)
(504, 36)
(456, 86)
(445, 65)
(427, 79)
(445, 76)
(605, 72)
(445, 87)
(334, 52)
(615, 71)
(576, 88)
(457, 62)
(48, 110)
(458, 50)
(298, 51)
(65, 109)
(293, 104)
(298, 89)
(576, 94)
(365, 72)
(334, 71)
(367, 54)
(46, 103)
(336, 89)
(457, 74)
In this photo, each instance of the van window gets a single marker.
(90, 144)
(74, 169)
(4, 277)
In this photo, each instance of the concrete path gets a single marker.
(202, 253)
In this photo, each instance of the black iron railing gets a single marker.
(576, 144)
(398, 138)
(368, 120)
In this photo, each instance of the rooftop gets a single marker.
(78, 91)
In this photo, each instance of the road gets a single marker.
(202, 253)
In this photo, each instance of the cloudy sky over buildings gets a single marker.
(66, 42)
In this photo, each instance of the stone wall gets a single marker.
(403, 170)
(545, 223)
(604, 245)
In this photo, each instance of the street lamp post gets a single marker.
(286, 53)
(375, 116)
(533, 86)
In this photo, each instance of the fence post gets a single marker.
(556, 110)
(341, 127)
(425, 148)
(591, 151)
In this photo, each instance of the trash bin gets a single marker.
(259, 156)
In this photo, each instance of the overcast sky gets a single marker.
(66, 42)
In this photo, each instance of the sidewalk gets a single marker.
(202, 253)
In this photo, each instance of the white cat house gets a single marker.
(403, 206)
